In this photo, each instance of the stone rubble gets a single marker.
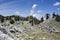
(19, 31)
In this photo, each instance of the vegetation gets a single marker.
(8, 18)
(42, 19)
(57, 18)
(53, 15)
(17, 18)
(47, 16)
(12, 21)
(31, 19)
(2, 20)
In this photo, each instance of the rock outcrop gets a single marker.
(48, 30)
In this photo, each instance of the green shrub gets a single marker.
(17, 18)
(12, 21)
(57, 18)
(2, 20)
(42, 19)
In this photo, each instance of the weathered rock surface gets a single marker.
(48, 30)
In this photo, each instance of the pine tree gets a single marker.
(17, 18)
(47, 16)
(53, 14)
(42, 19)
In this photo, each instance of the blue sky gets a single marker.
(36, 8)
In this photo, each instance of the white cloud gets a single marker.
(34, 15)
(57, 4)
(37, 15)
(32, 10)
(34, 6)
(39, 11)
(16, 13)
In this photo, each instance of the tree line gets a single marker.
(31, 19)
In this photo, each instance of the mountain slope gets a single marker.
(48, 30)
(51, 25)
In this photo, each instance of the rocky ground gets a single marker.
(48, 30)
